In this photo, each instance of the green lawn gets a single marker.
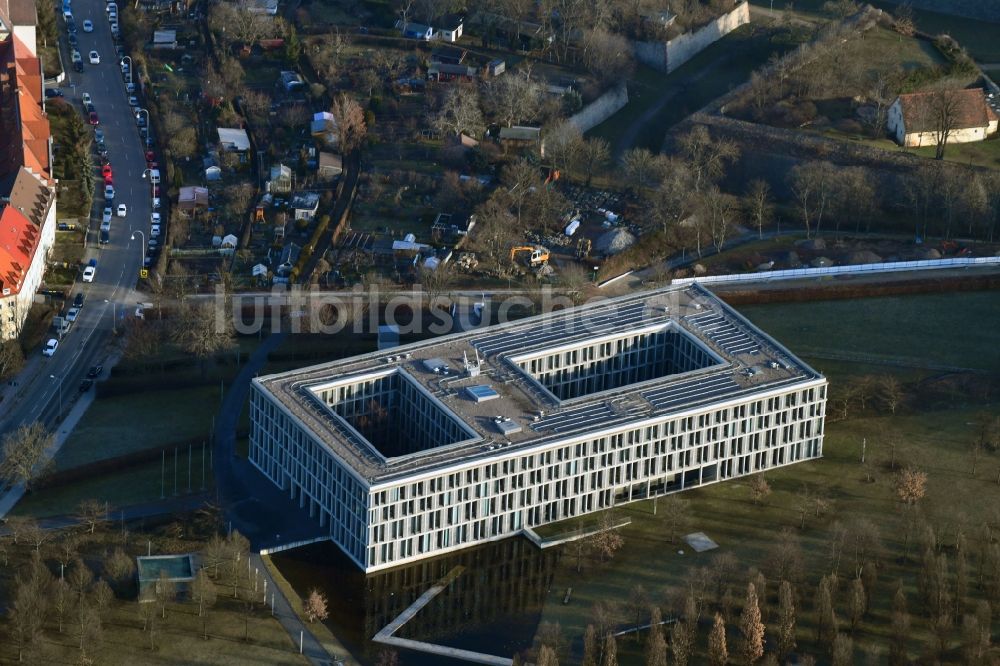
(980, 153)
(948, 328)
(126, 423)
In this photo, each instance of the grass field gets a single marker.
(953, 329)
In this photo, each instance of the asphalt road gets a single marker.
(46, 385)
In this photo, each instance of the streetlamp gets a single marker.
(54, 378)
(129, 58)
(142, 110)
(143, 245)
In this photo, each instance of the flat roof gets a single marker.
(746, 361)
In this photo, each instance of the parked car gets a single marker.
(109, 192)
(50, 347)
(72, 314)
(122, 210)
(85, 98)
(78, 301)
(154, 218)
(53, 92)
(95, 371)
(107, 214)
(99, 135)
(90, 271)
(154, 230)
(105, 236)
(78, 65)
(86, 385)
(75, 56)
(106, 171)
(94, 120)
(72, 39)
(133, 100)
(130, 88)
(108, 180)
(156, 203)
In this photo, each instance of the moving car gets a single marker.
(90, 271)
(95, 58)
(88, 26)
(122, 210)
(50, 347)
(109, 192)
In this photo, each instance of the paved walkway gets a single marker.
(254, 506)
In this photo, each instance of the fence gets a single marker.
(886, 267)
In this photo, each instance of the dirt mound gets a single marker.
(928, 253)
(614, 241)
(863, 257)
(813, 244)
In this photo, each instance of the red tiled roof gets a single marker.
(24, 127)
(971, 109)
(19, 239)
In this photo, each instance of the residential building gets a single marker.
(917, 119)
(233, 139)
(329, 166)
(305, 205)
(280, 181)
(448, 28)
(27, 189)
(478, 436)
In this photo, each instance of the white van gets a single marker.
(154, 176)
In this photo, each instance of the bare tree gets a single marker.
(610, 656)
(520, 177)
(607, 540)
(118, 567)
(591, 650)
(707, 158)
(843, 651)
(202, 331)
(759, 488)
(759, 207)
(91, 513)
(911, 485)
(23, 451)
(11, 359)
(165, 591)
(102, 596)
(607, 55)
(900, 628)
(812, 187)
(204, 593)
(62, 600)
(594, 155)
(350, 119)
(315, 606)
(460, 113)
(27, 613)
(786, 620)
(891, 392)
(641, 168)
(937, 112)
(80, 577)
(512, 98)
(718, 653)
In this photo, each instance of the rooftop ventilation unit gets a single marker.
(436, 365)
(506, 426)
(481, 393)
(472, 368)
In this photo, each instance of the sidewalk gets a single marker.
(76, 412)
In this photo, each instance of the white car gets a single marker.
(114, 29)
(76, 56)
(122, 210)
(85, 98)
(50, 347)
(154, 218)
(95, 58)
(130, 88)
(112, 7)
(107, 215)
(88, 273)
(88, 26)
(156, 203)
(72, 314)
(106, 226)
(154, 231)
(133, 100)
(109, 192)
(113, 17)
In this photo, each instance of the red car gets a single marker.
(150, 156)
(152, 165)
(106, 171)
(108, 180)
(93, 118)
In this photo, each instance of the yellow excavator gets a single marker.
(538, 256)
